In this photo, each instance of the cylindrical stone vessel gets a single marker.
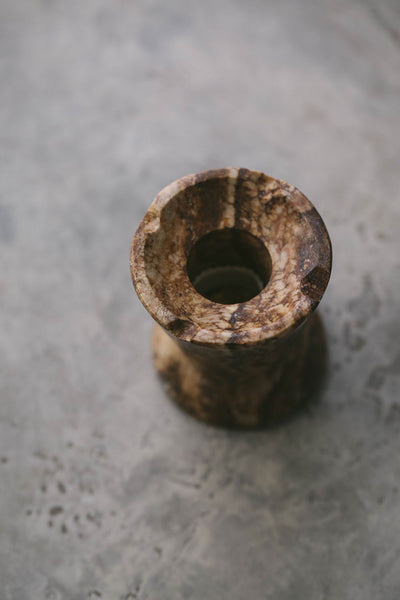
(231, 263)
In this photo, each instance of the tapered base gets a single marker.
(241, 395)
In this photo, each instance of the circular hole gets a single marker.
(229, 266)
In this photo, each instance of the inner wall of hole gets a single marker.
(229, 266)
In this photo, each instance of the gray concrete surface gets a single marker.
(106, 490)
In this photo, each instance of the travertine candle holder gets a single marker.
(231, 263)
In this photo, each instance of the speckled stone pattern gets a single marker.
(234, 364)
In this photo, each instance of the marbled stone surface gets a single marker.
(106, 489)
(232, 354)
(274, 212)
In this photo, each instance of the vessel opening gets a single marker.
(229, 266)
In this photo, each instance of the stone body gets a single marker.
(244, 364)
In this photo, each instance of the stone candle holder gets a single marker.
(231, 263)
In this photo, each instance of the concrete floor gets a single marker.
(107, 491)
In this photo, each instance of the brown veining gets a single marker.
(227, 361)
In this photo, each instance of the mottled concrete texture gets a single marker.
(107, 491)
